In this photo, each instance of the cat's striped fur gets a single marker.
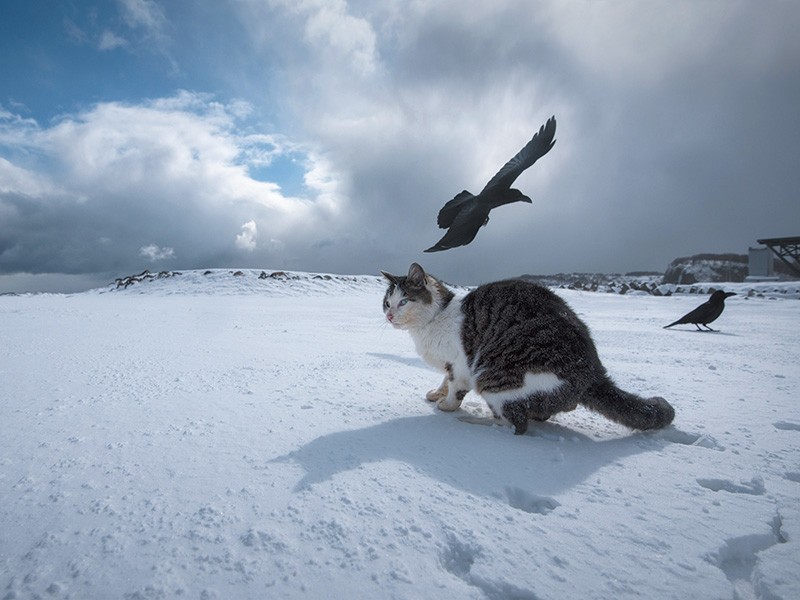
(517, 344)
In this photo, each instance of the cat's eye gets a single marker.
(403, 302)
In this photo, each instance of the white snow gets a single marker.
(229, 437)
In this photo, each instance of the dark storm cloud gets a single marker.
(676, 131)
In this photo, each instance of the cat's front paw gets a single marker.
(447, 405)
(450, 404)
(436, 395)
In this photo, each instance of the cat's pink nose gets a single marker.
(390, 317)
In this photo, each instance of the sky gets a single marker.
(325, 135)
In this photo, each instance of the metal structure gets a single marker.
(786, 248)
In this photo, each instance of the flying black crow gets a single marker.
(464, 215)
(706, 312)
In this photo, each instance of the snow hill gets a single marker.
(211, 435)
(288, 283)
(245, 281)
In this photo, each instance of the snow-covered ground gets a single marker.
(211, 436)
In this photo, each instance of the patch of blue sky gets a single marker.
(59, 60)
(287, 170)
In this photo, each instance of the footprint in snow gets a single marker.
(701, 440)
(530, 503)
(754, 487)
(458, 558)
(738, 559)
(792, 476)
(787, 426)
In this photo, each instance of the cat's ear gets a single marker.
(416, 275)
(391, 278)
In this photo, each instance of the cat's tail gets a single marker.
(628, 409)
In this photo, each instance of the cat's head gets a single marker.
(412, 300)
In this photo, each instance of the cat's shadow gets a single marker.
(482, 460)
(411, 361)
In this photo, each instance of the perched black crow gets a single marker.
(706, 312)
(464, 215)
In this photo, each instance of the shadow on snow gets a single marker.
(481, 460)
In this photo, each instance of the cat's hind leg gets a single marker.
(537, 407)
(540, 396)
(516, 413)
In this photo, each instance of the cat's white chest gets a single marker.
(439, 342)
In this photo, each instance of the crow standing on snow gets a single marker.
(464, 215)
(706, 312)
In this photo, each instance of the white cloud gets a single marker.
(333, 35)
(144, 13)
(19, 180)
(178, 166)
(184, 143)
(149, 29)
(330, 27)
(74, 32)
(110, 41)
(154, 253)
(246, 240)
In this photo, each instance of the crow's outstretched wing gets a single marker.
(540, 144)
(464, 228)
(450, 210)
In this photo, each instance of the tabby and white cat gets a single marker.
(517, 344)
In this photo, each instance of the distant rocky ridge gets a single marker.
(696, 274)
(291, 283)
(717, 267)
(600, 282)
(124, 282)
(244, 282)
(628, 284)
(707, 267)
